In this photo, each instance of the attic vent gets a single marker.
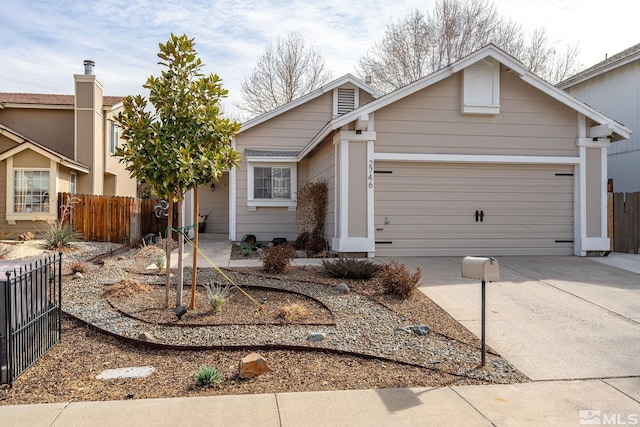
(346, 100)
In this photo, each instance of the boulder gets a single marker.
(342, 287)
(252, 366)
(316, 337)
(26, 236)
(78, 275)
(145, 336)
(300, 254)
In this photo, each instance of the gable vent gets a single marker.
(346, 100)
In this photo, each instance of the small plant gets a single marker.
(160, 263)
(293, 312)
(208, 376)
(277, 259)
(351, 268)
(246, 249)
(78, 268)
(397, 280)
(58, 235)
(217, 295)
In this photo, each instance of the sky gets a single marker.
(44, 42)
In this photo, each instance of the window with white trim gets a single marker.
(271, 184)
(114, 137)
(31, 191)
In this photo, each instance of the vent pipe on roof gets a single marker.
(88, 67)
(367, 80)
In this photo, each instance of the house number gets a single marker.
(370, 177)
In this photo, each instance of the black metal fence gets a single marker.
(30, 303)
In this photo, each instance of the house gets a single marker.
(613, 87)
(53, 143)
(479, 158)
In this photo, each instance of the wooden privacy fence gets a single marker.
(626, 222)
(110, 218)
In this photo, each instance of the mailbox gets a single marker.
(480, 268)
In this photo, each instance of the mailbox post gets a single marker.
(484, 269)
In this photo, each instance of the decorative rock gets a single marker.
(252, 366)
(145, 336)
(78, 275)
(300, 254)
(418, 329)
(259, 251)
(342, 287)
(26, 236)
(316, 337)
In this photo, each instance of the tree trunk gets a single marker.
(194, 272)
(180, 273)
(168, 239)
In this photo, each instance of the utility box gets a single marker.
(481, 268)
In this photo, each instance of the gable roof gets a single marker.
(492, 51)
(50, 99)
(615, 61)
(347, 78)
(24, 142)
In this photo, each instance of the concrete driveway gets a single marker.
(552, 317)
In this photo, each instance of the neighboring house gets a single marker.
(479, 158)
(613, 87)
(53, 143)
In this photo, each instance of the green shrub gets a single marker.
(217, 295)
(277, 259)
(245, 248)
(57, 235)
(397, 280)
(160, 261)
(351, 268)
(208, 376)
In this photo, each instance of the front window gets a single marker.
(272, 183)
(114, 135)
(31, 191)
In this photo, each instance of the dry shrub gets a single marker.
(127, 288)
(79, 268)
(398, 280)
(351, 268)
(149, 251)
(277, 259)
(4, 250)
(293, 312)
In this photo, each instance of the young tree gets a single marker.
(420, 44)
(182, 141)
(283, 73)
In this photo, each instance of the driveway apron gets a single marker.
(551, 317)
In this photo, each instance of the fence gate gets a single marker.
(626, 222)
(30, 302)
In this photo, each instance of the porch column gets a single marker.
(354, 192)
(592, 191)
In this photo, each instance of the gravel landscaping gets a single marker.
(367, 341)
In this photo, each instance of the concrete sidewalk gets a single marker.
(562, 403)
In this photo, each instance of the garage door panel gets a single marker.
(528, 209)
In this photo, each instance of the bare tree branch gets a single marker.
(283, 73)
(422, 43)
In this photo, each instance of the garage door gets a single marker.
(473, 209)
